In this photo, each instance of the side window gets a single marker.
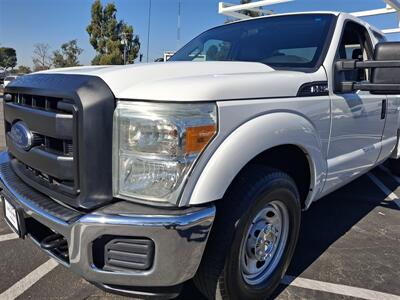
(355, 44)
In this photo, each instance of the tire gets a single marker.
(394, 166)
(229, 256)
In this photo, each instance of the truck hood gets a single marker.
(194, 81)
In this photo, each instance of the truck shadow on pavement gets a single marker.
(325, 223)
(343, 218)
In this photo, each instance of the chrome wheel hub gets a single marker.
(266, 241)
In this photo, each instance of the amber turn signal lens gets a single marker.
(197, 138)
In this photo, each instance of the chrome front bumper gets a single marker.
(179, 235)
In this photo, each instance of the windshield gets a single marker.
(293, 41)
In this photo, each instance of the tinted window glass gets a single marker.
(355, 44)
(213, 50)
(294, 41)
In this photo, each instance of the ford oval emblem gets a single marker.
(21, 135)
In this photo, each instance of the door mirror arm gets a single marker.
(351, 86)
(354, 64)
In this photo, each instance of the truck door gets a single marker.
(358, 118)
(389, 137)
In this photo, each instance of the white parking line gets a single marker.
(7, 237)
(389, 194)
(337, 289)
(25, 283)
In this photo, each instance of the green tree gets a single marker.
(68, 55)
(42, 59)
(8, 57)
(109, 37)
(23, 70)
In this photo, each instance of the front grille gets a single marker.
(31, 196)
(50, 104)
(60, 146)
(50, 163)
(50, 144)
(46, 181)
(42, 102)
(70, 156)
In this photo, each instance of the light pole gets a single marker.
(148, 32)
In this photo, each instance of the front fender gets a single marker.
(249, 140)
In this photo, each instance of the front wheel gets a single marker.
(253, 238)
(264, 244)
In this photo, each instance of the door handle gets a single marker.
(384, 108)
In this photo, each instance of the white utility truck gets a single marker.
(140, 178)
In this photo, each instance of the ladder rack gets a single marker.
(236, 10)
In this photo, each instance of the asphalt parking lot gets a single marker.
(349, 248)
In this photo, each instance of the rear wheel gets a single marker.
(253, 238)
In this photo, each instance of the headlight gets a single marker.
(155, 146)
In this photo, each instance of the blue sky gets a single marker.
(25, 22)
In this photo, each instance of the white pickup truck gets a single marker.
(140, 178)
